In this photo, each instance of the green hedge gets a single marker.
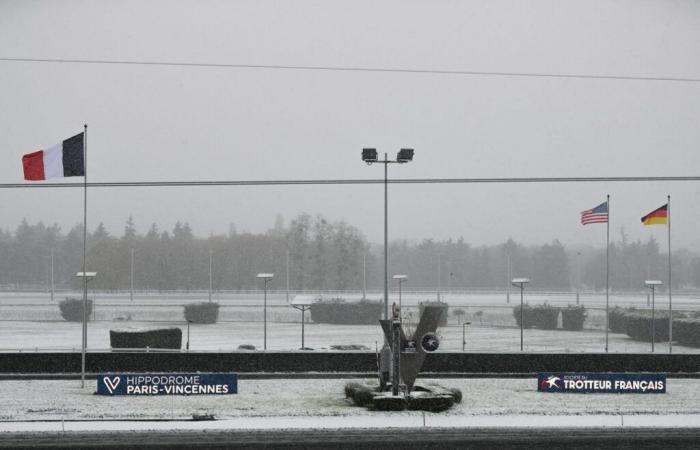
(72, 309)
(541, 316)
(204, 312)
(338, 311)
(573, 317)
(444, 307)
(687, 332)
(168, 338)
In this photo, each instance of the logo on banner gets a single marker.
(111, 383)
(168, 384)
(591, 383)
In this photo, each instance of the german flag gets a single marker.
(658, 216)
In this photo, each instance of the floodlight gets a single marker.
(520, 280)
(266, 276)
(405, 155)
(652, 283)
(369, 155)
(400, 277)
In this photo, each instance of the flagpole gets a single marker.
(84, 343)
(670, 307)
(607, 276)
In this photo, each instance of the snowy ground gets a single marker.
(324, 399)
(66, 336)
(29, 321)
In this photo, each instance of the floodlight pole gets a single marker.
(85, 281)
(386, 236)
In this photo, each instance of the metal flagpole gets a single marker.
(52, 282)
(84, 343)
(607, 276)
(670, 305)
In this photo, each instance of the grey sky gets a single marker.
(161, 123)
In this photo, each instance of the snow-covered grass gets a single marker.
(61, 335)
(30, 321)
(56, 400)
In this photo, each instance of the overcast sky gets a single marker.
(149, 123)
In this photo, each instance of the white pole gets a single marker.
(288, 286)
(670, 304)
(364, 276)
(607, 277)
(508, 277)
(52, 279)
(84, 341)
(211, 253)
(438, 276)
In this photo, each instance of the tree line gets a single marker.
(322, 255)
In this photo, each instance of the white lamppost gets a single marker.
(651, 284)
(265, 277)
(520, 283)
(87, 276)
(302, 303)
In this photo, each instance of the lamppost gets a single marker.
(521, 282)
(188, 335)
(464, 335)
(651, 284)
(400, 279)
(302, 303)
(369, 155)
(265, 277)
(211, 258)
(87, 277)
(131, 292)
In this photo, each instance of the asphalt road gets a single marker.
(433, 438)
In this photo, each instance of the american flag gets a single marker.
(599, 214)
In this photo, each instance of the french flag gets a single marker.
(58, 161)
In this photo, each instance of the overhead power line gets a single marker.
(354, 69)
(121, 184)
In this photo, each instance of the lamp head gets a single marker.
(369, 155)
(405, 155)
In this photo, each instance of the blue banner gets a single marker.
(167, 384)
(605, 383)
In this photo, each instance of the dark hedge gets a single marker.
(540, 316)
(72, 309)
(573, 317)
(169, 338)
(638, 326)
(687, 332)
(205, 312)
